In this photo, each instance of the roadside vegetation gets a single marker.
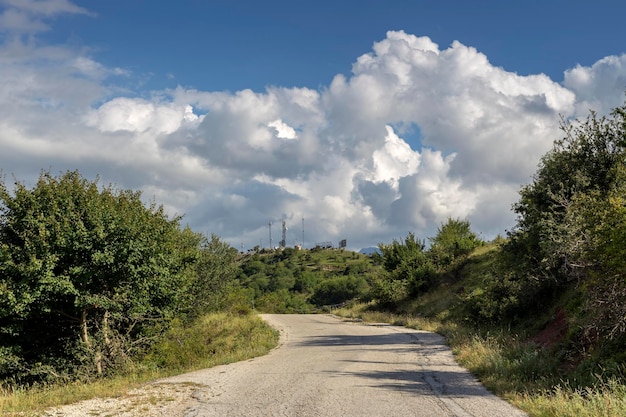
(99, 292)
(214, 339)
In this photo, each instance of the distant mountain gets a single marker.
(370, 250)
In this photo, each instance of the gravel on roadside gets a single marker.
(152, 400)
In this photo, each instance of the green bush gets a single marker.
(454, 240)
(389, 292)
(88, 275)
(339, 289)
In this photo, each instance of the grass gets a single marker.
(212, 340)
(607, 400)
(30, 400)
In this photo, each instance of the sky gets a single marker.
(358, 120)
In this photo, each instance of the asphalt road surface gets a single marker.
(328, 367)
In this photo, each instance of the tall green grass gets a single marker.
(607, 400)
(214, 339)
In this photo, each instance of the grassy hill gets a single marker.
(299, 281)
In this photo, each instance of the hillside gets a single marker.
(293, 280)
(554, 322)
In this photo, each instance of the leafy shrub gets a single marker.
(389, 292)
(88, 274)
(454, 240)
(409, 270)
(340, 289)
(497, 300)
(282, 301)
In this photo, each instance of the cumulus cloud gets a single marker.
(339, 157)
(600, 87)
(460, 102)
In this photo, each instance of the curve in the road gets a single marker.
(328, 367)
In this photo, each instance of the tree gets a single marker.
(408, 268)
(454, 240)
(214, 272)
(88, 273)
(572, 222)
(339, 289)
(581, 171)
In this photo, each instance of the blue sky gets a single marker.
(368, 118)
(233, 45)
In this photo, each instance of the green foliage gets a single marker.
(454, 241)
(572, 221)
(409, 269)
(501, 297)
(389, 292)
(306, 281)
(214, 272)
(339, 290)
(397, 252)
(240, 300)
(301, 280)
(209, 340)
(282, 301)
(558, 233)
(87, 274)
(281, 278)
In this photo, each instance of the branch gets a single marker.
(68, 316)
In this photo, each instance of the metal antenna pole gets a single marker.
(283, 242)
(270, 234)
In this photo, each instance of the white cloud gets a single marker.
(189, 115)
(12, 20)
(600, 87)
(283, 130)
(230, 161)
(138, 115)
(395, 160)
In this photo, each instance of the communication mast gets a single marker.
(283, 242)
(302, 231)
(271, 234)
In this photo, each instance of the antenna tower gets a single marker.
(283, 242)
(271, 234)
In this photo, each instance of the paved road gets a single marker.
(328, 367)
